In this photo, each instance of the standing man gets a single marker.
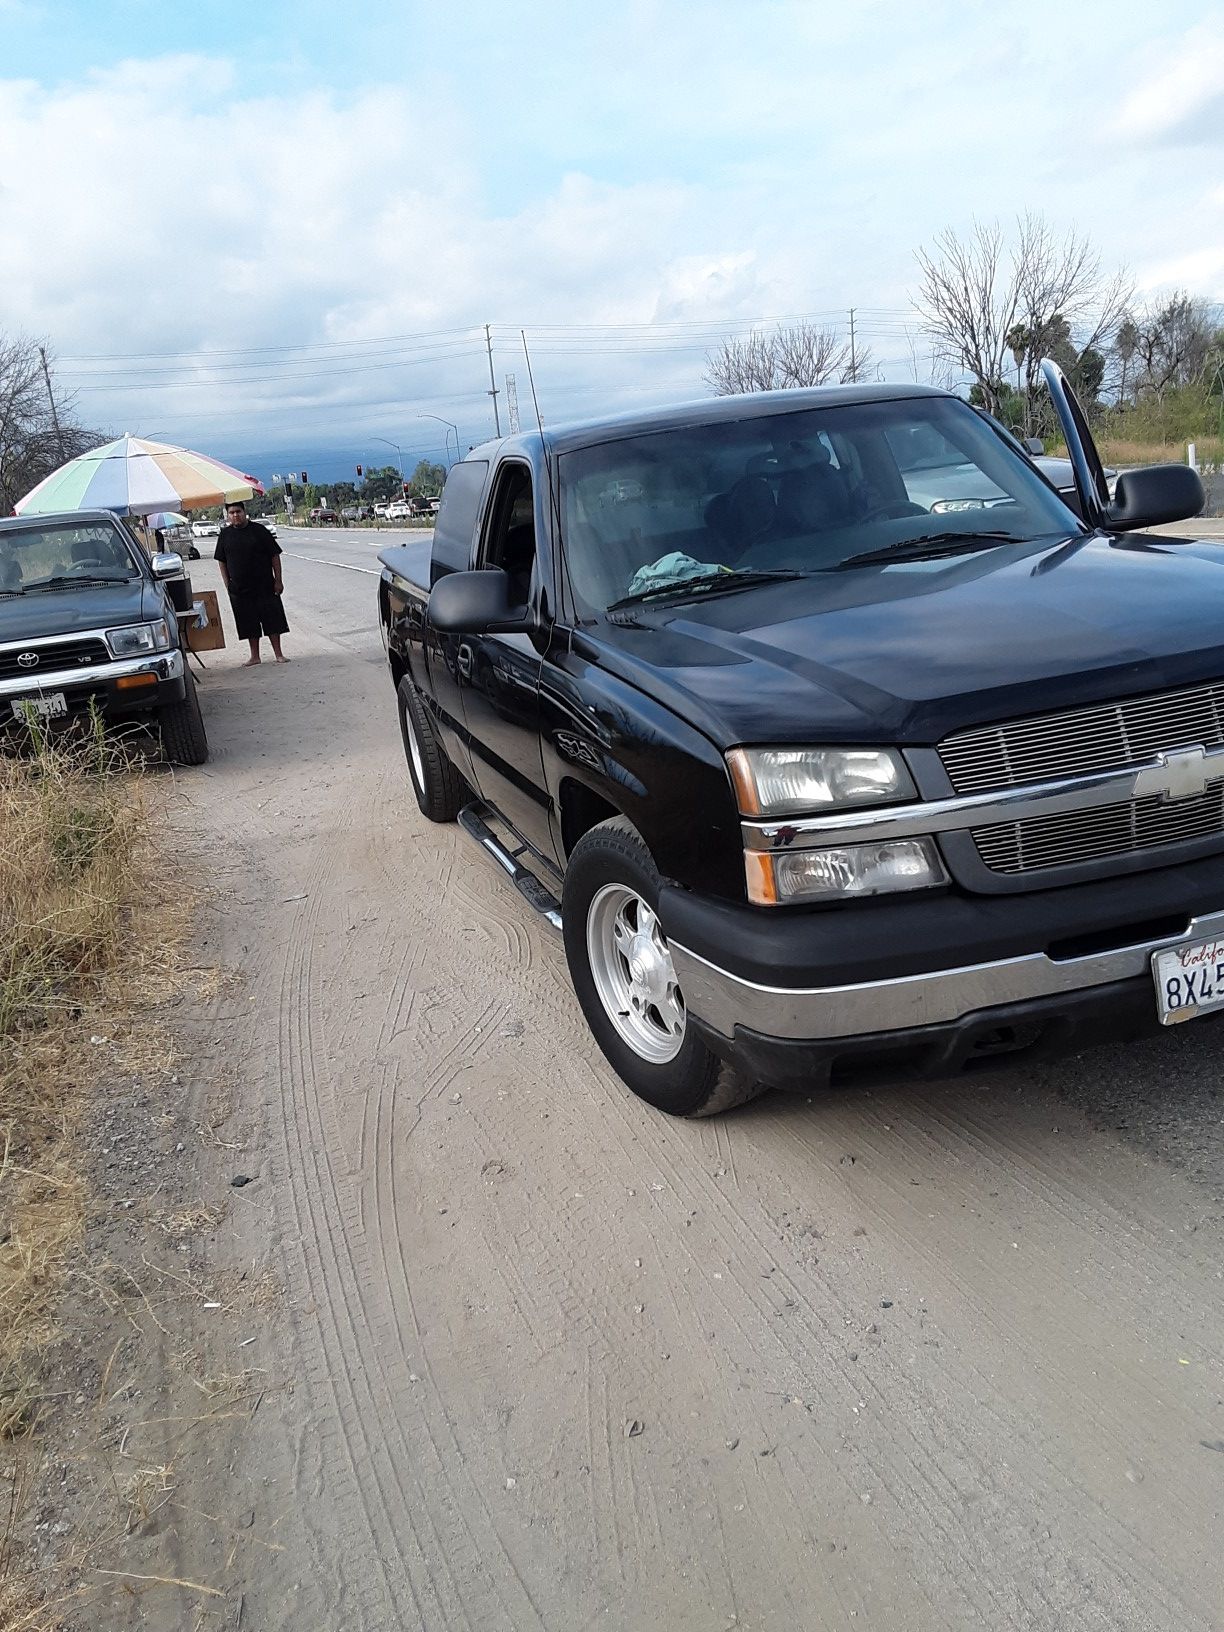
(250, 562)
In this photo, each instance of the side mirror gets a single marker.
(477, 603)
(1154, 494)
(1034, 445)
(165, 566)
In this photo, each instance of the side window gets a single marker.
(509, 541)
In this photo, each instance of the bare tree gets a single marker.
(1177, 343)
(969, 302)
(982, 300)
(38, 426)
(790, 356)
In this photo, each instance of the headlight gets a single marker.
(797, 781)
(842, 873)
(137, 639)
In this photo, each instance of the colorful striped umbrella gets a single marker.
(137, 478)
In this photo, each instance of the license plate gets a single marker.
(51, 705)
(1189, 981)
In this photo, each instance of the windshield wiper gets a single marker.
(928, 546)
(63, 579)
(706, 583)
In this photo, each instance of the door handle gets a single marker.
(463, 661)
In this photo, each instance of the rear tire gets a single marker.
(440, 791)
(623, 976)
(184, 739)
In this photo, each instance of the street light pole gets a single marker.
(452, 427)
(398, 455)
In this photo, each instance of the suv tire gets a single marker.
(622, 974)
(440, 791)
(184, 739)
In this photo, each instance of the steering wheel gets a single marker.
(896, 510)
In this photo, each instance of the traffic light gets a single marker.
(407, 486)
(358, 472)
(305, 478)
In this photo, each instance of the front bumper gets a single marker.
(930, 986)
(128, 685)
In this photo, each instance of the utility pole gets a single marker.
(853, 352)
(512, 412)
(492, 380)
(59, 435)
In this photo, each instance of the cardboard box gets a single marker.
(205, 634)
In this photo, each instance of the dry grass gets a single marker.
(1123, 454)
(74, 864)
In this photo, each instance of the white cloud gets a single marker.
(782, 159)
(1185, 100)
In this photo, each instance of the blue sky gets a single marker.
(278, 227)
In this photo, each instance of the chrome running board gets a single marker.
(473, 819)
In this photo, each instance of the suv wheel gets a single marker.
(184, 739)
(440, 791)
(626, 983)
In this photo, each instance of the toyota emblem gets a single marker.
(28, 660)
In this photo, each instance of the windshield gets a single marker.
(793, 493)
(39, 555)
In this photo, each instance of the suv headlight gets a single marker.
(137, 639)
(842, 872)
(798, 781)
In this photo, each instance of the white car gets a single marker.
(398, 512)
(205, 529)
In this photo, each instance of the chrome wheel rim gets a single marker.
(414, 748)
(634, 974)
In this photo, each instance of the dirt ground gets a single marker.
(484, 1343)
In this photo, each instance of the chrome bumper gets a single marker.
(165, 665)
(723, 1000)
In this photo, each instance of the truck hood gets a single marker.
(914, 650)
(41, 612)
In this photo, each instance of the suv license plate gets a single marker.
(1189, 981)
(51, 705)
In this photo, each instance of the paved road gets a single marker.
(921, 1359)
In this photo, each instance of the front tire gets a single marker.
(184, 739)
(440, 791)
(622, 972)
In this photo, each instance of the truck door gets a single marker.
(452, 552)
(501, 673)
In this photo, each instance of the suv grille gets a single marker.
(1107, 736)
(1101, 738)
(52, 655)
(1107, 830)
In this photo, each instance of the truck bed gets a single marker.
(410, 562)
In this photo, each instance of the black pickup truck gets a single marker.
(87, 621)
(824, 769)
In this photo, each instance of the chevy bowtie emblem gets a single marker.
(28, 660)
(1186, 774)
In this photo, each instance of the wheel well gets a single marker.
(581, 810)
(398, 668)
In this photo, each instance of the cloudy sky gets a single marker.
(274, 228)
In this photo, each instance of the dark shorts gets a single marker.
(257, 615)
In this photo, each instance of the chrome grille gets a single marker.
(1062, 840)
(51, 655)
(1103, 737)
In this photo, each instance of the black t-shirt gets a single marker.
(247, 552)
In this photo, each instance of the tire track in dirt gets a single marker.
(472, 1205)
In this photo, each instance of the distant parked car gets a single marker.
(399, 511)
(357, 512)
(323, 517)
(380, 509)
(205, 529)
